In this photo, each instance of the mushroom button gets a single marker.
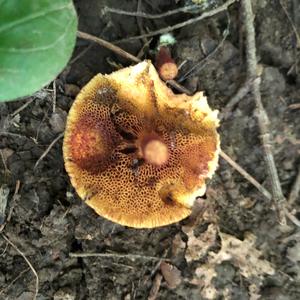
(137, 153)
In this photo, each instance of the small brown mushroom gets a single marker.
(165, 64)
(137, 153)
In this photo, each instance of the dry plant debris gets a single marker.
(171, 274)
(136, 152)
(198, 247)
(262, 117)
(243, 255)
(4, 192)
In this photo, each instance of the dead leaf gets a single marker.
(243, 255)
(198, 247)
(171, 274)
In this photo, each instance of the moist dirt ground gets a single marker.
(233, 246)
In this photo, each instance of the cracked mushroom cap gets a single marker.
(137, 153)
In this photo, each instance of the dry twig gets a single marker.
(142, 31)
(263, 120)
(139, 14)
(246, 175)
(140, 23)
(239, 95)
(291, 217)
(22, 107)
(155, 287)
(6, 170)
(14, 280)
(27, 261)
(291, 23)
(117, 255)
(4, 250)
(108, 45)
(54, 96)
(200, 65)
(178, 86)
(13, 200)
(81, 54)
(11, 134)
(294, 193)
(205, 15)
(48, 149)
(294, 106)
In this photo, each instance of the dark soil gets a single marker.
(47, 221)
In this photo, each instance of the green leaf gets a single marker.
(37, 38)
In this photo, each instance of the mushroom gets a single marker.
(165, 64)
(137, 153)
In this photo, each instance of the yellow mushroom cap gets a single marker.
(113, 128)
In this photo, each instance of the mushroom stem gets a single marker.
(155, 152)
(165, 64)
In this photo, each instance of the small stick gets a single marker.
(35, 139)
(4, 162)
(11, 134)
(200, 65)
(4, 250)
(27, 261)
(263, 120)
(117, 255)
(125, 54)
(240, 94)
(142, 31)
(13, 200)
(291, 23)
(205, 15)
(54, 96)
(245, 174)
(142, 50)
(178, 86)
(139, 21)
(108, 45)
(294, 106)
(48, 149)
(82, 53)
(22, 107)
(294, 193)
(292, 218)
(140, 14)
(252, 180)
(155, 287)
(14, 280)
